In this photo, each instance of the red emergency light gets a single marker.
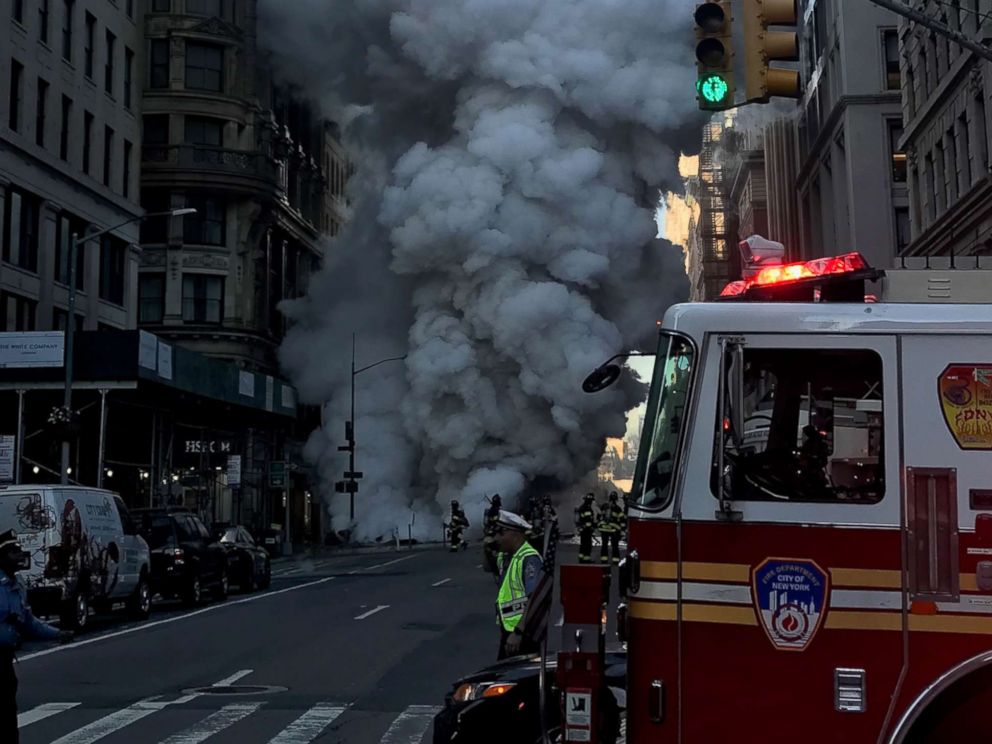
(803, 273)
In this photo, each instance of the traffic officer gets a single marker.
(16, 624)
(585, 521)
(610, 527)
(520, 569)
(457, 524)
(490, 550)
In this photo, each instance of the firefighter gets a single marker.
(490, 548)
(610, 528)
(456, 525)
(17, 624)
(520, 569)
(585, 521)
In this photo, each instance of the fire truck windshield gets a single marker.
(664, 420)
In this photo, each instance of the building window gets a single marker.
(64, 128)
(159, 66)
(16, 313)
(87, 140)
(130, 9)
(206, 227)
(43, 21)
(20, 240)
(981, 134)
(155, 230)
(108, 149)
(205, 7)
(964, 154)
(60, 319)
(203, 298)
(68, 8)
(89, 42)
(17, 10)
(40, 113)
(890, 45)
(155, 129)
(66, 225)
(16, 92)
(126, 181)
(151, 298)
(898, 157)
(902, 230)
(128, 76)
(112, 255)
(204, 67)
(202, 130)
(108, 70)
(161, 6)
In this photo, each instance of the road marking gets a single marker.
(310, 725)
(478, 565)
(214, 723)
(411, 725)
(169, 620)
(42, 712)
(233, 678)
(370, 613)
(442, 582)
(390, 563)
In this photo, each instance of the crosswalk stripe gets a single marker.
(214, 723)
(310, 725)
(110, 724)
(411, 725)
(42, 712)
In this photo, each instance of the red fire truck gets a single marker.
(810, 536)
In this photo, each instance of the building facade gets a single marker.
(945, 97)
(69, 139)
(852, 175)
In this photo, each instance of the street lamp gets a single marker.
(70, 326)
(351, 476)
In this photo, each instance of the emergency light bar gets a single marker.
(804, 277)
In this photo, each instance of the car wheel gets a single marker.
(140, 604)
(76, 612)
(194, 592)
(223, 586)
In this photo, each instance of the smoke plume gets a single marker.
(510, 156)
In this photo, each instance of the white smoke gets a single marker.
(510, 156)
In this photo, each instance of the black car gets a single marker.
(186, 560)
(248, 564)
(501, 703)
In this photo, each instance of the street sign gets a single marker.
(234, 471)
(354, 474)
(277, 475)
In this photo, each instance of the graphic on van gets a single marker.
(966, 402)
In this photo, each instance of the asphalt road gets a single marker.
(358, 649)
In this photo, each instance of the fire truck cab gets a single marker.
(810, 537)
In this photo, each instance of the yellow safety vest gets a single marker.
(511, 602)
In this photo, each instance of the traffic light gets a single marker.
(714, 56)
(762, 46)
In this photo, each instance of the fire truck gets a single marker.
(810, 538)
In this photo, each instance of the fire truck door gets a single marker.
(790, 601)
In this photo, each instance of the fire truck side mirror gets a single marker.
(602, 377)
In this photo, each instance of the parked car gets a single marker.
(84, 551)
(501, 703)
(186, 561)
(248, 564)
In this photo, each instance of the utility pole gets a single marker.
(936, 26)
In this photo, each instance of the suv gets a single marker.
(186, 560)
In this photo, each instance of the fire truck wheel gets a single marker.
(959, 713)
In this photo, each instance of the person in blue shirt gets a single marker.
(17, 624)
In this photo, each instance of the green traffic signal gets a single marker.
(713, 88)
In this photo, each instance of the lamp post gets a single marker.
(351, 477)
(70, 326)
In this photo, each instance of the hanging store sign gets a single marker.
(29, 350)
(234, 471)
(207, 446)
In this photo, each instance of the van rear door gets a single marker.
(32, 516)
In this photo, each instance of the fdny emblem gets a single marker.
(790, 596)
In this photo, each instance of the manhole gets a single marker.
(234, 690)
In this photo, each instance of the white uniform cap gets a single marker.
(509, 520)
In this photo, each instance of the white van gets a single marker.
(83, 551)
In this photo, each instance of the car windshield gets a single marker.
(157, 532)
(664, 420)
